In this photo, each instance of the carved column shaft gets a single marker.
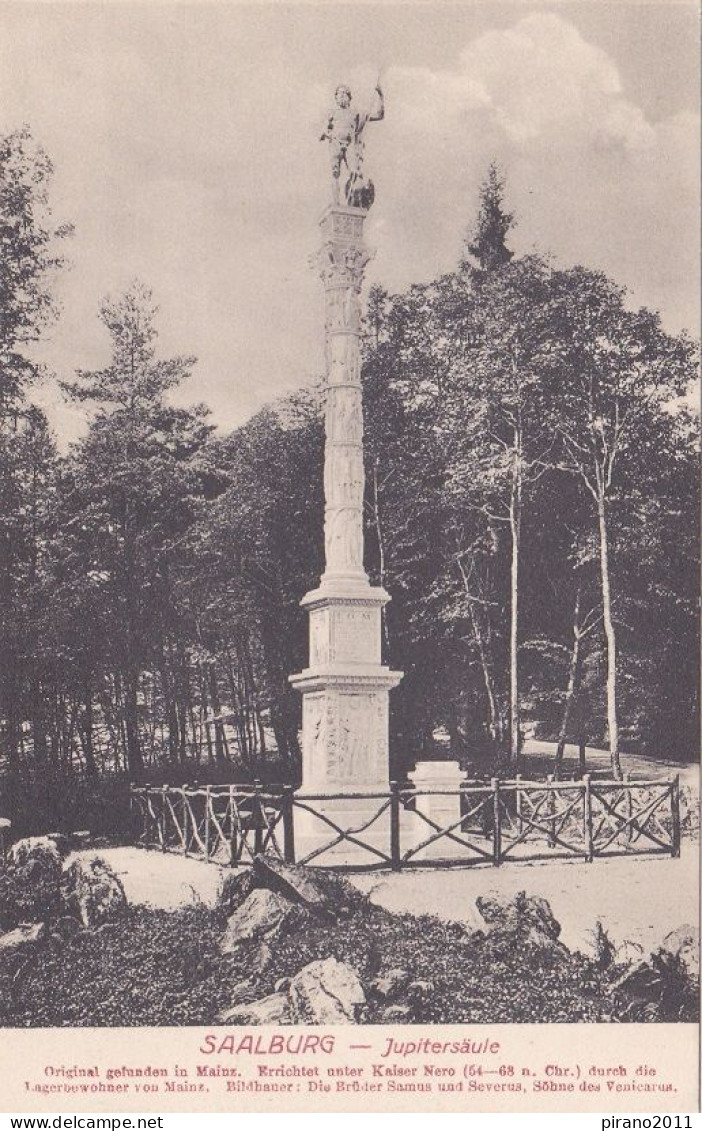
(342, 260)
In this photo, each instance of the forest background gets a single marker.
(531, 505)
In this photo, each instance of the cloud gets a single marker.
(534, 78)
(187, 152)
(591, 178)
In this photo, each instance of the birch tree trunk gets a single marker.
(515, 504)
(610, 638)
(573, 679)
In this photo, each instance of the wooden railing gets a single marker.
(492, 822)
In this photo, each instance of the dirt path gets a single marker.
(639, 899)
(540, 757)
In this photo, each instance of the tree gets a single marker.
(616, 372)
(486, 241)
(28, 261)
(135, 481)
(495, 423)
(264, 535)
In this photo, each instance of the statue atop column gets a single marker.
(344, 133)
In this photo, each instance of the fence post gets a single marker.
(186, 810)
(288, 824)
(496, 822)
(551, 808)
(518, 802)
(232, 828)
(675, 814)
(145, 814)
(207, 822)
(164, 791)
(628, 808)
(587, 818)
(258, 819)
(395, 826)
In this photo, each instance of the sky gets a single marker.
(185, 141)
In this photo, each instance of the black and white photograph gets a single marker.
(349, 515)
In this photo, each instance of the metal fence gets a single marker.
(482, 822)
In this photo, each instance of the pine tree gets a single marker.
(28, 260)
(486, 241)
(136, 481)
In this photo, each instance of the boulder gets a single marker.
(526, 917)
(62, 843)
(261, 915)
(628, 954)
(41, 850)
(22, 938)
(319, 891)
(67, 927)
(91, 891)
(236, 887)
(684, 944)
(326, 992)
(30, 887)
(511, 913)
(420, 990)
(271, 1010)
(262, 959)
(396, 1015)
(391, 985)
(243, 993)
(638, 979)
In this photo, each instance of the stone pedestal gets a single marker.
(443, 808)
(345, 688)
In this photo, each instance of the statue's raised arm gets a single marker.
(344, 132)
(378, 112)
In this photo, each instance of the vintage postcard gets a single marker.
(349, 557)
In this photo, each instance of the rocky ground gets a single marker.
(290, 945)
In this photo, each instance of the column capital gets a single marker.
(341, 263)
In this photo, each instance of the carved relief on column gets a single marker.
(343, 476)
(343, 310)
(343, 540)
(341, 261)
(343, 360)
(343, 415)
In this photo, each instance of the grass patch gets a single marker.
(160, 968)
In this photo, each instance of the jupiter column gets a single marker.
(345, 689)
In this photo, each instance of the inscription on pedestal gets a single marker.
(355, 635)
